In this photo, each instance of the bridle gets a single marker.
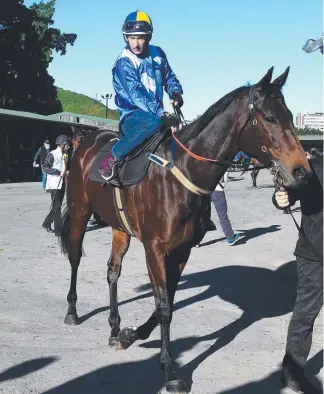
(272, 165)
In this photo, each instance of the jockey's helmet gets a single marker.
(137, 23)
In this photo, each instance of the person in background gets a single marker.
(42, 153)
(219, 199)
(55, 166)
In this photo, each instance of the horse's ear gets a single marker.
(280, 81)
(265, 81)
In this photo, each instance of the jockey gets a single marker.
(139, 75)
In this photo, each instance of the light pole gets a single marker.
(107, 97)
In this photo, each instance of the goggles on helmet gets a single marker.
(137, 27)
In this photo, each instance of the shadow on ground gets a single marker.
(26, 368)
(247, 235)
(271, 384)
(259, 292)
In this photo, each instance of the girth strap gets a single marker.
(121, 212)
(170, 166)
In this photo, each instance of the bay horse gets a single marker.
(164, 215)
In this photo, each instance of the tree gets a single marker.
(50, 38)
(26, 45)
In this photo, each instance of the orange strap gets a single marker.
(200, 158)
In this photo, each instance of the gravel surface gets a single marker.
(232, 306)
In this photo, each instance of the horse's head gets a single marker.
(78, 135)
(269, 134)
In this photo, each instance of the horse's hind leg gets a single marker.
(120, 244)
(74, 228)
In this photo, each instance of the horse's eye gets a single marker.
(270, 119)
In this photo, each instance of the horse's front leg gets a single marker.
(164, 283)
(175, 264)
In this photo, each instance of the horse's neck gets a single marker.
(218, 140)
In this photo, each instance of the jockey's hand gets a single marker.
(282, 198)
(177, 100)
(169, 120)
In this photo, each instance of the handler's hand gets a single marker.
(282, 198)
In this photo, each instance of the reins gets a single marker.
(178, 113)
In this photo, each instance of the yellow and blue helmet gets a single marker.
(138, 23)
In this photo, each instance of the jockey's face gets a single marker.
(137, 44)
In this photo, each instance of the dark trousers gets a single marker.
(308, 304)
(220, 203)
(55, 212)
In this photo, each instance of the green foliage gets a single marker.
(307, 131)
(26, 44)
(81, 104)
(49, 37)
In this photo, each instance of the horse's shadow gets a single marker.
(143, 377)
(247, 234)
(259, 292)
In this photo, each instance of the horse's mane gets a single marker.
(192, 130)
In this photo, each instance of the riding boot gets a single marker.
(109, 169)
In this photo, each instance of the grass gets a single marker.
(81, 104)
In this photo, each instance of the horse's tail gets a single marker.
(65, 232)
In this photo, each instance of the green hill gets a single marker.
(81, 104)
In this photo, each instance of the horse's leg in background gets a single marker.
(74, 227)
(246, 165)
(120, 245)
(254, 174)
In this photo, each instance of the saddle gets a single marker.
(135, 166)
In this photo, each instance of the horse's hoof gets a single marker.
(114, 342)
(71, 320)
(176, 386)
(126, 337)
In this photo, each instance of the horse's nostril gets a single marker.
(299, 173)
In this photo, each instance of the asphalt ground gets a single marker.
(232, 306)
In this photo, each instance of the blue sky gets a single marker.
(214, 46)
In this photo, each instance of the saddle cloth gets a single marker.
(134, 167)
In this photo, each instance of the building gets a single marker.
(310, 121)
(311, 141)
(85, 120)
(22, 133)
